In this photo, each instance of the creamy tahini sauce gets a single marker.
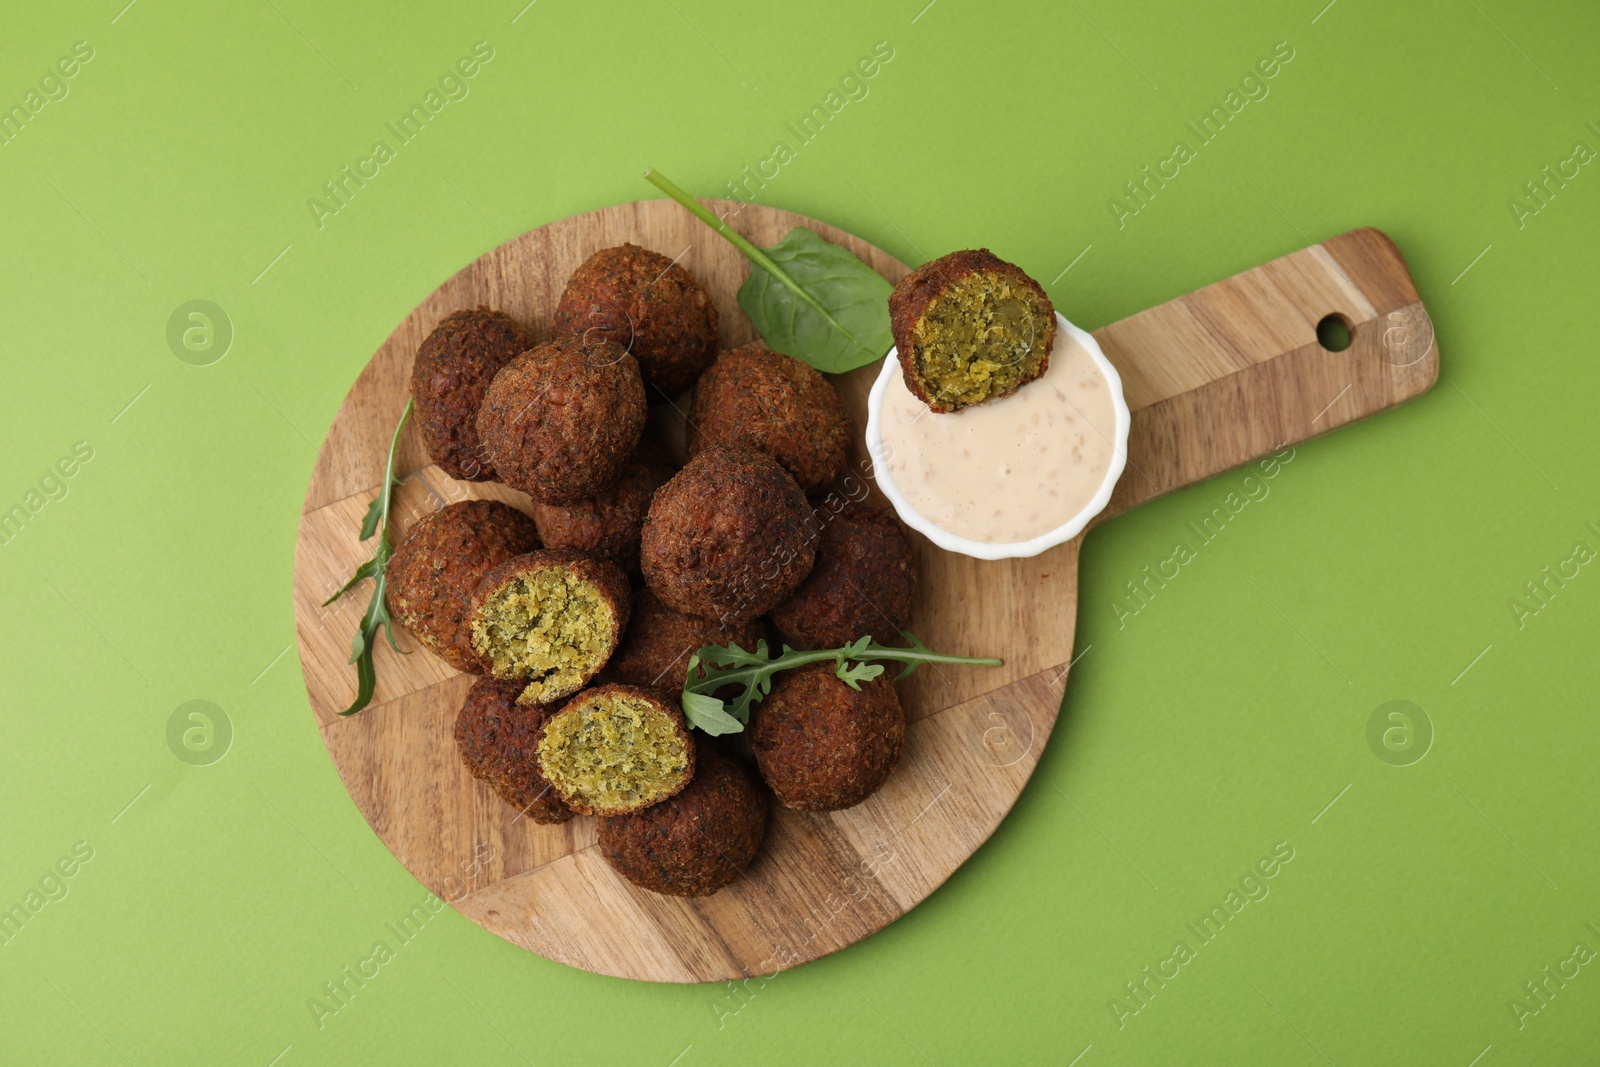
(1006, 470)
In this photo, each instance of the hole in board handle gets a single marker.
(1334, 332)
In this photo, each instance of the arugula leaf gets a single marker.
(362, 572)
(376, 616)
(854, 674)
(811, 299)
(734, 656)
(706, 713)
(716, 666)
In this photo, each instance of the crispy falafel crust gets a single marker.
(697, 842)
(601, 750)
(607, 525)
(498, 741)
(560, 420)
(435, 571)
(452, 371)
(650, 306)
(569, 640)
(660, 639)
(823, 746)
(728, 537)
(863, 583)
(915, 294)
(754, 396)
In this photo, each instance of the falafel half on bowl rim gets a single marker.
(1009, 477)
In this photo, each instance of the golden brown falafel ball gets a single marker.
(698, 841)
(452, 371)
(970, 327)
(728, 537)
(823, 746)
(498, 739)
(656, 649)
(616, 749)
(560, 420)
(862, 583)
(607, 525)
(754, 396)
(434, 572)
(650, 306)
(549, 618)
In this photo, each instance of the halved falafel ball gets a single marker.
(436, 569)
(728, 537)
(560, 420)
(698, 841)
(650, 306)
(452, 371)
(607, 525)
(656, 649)
(616, 749)
(754, 396)
(970, 327)
(823, 746)
(550, 619)
(498, 739)
(862, 583)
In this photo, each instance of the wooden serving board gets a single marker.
(1214, 379)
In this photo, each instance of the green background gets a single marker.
(1221, 720)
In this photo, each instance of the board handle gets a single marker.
(1235, 371)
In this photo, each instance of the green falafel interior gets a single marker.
(981, 337)
(612, 751)
(716, 666)
(550, 627)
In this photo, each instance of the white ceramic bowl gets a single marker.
(1013, 549)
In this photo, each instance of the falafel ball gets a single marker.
(436, 569)
(970, 327)
(728, 537)
(498, 739)
(754, 396)
(650, 306)
(616, 749)
(656, 649)
(696, 842)
(607, 525)
(862, 583)
(549, 618)
(560, 420)
(452, 371)
(823, 746)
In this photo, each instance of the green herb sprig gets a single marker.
(811, 299)
(715, 666)
(377, 613)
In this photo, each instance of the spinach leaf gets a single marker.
(811, 299)
(830, 309)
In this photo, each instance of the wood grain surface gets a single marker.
(1214, 379)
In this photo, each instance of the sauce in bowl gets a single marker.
(1008, 471)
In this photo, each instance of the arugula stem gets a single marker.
(752, 672)
(717, 678)
(752, 251)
